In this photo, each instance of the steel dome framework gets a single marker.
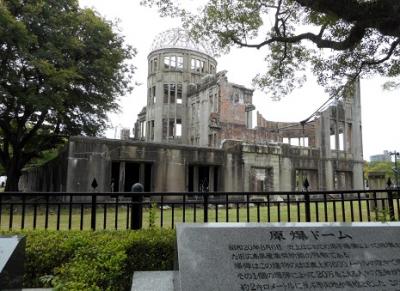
(180, 38)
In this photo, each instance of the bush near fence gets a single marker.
(94, 260)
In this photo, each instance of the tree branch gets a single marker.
(34, 129)
(355, 36)
(384, 59)
(346, 9)
(382, 15)
(276, 26)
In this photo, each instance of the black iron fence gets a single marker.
(141, 210)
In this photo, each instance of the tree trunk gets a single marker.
(12, 183)
(13, 172)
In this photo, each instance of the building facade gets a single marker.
(385, 157)
(196, 133)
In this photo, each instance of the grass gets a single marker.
(352, 211)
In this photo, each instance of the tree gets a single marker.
(339, 40)
(386, 167)
(61, 70)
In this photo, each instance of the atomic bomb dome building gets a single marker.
(196, 134)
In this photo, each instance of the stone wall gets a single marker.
(51, 177)
(167, 171)
(236, 166)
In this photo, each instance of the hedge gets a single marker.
(94, 260)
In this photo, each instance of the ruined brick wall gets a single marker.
(279, 130)
(233, 101)
(241, 132)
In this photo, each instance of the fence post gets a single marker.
(23, 212)
(93, 205)
(93, 212)
(307, 200)
(136, 206)
(205, 206)
(390, 200)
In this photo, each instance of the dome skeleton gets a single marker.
(180, 38)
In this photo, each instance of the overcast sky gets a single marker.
(140, 25)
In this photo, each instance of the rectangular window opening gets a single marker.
(304, 141)
(212, 68)
(173, 62)
(294, 142)
(178, 130)
(167, 61)
(172, 93)
(155, 65)
(153, 93)
(143, 129)
(180, 63)
(132, 175)
(197, 65)
(193, 64)
(333, 142)
(171, 128)
(341, 141)
(179, 94)
(152, 130)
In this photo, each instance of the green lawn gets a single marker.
(172, 216)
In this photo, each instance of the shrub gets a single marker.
(99, 260)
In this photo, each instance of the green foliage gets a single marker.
(62, 69)
(45, 156)
(383, 215)
(386, 167)
(338, 40)
(86, 260)
(152, 215)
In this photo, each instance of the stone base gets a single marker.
(154, 281)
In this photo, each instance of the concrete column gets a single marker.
(356, 138)
(121, 183)
(142, 173)
(70, 168)
(211, 179)
(377, 180)
(346, 146)
(186, 178)
(195, 179)
(313, 180)
(356, 116)
(326, 168)
(285, 175)
(246, 177)
(228, 174)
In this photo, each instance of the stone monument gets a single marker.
(12, 253)
(282, 256)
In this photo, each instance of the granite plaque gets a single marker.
(12, 252)
(288, 256)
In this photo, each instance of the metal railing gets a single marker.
(141, 210)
